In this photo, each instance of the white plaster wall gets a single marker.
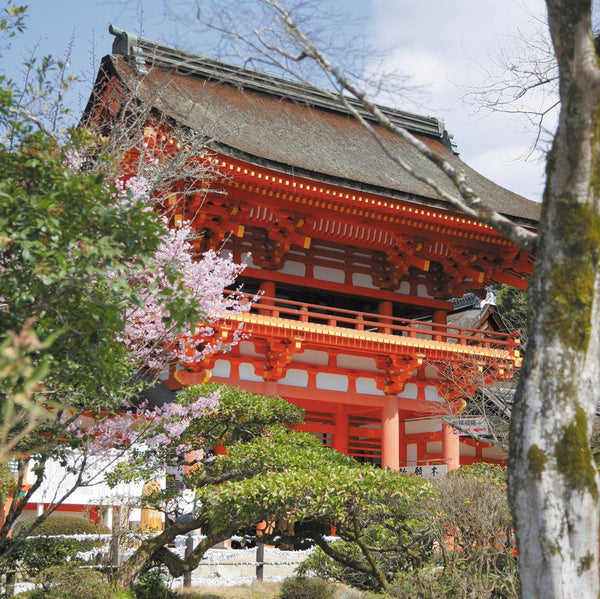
(318, 358)
(360, 279)
(367, 386)
(247, 373)
(356, 362)
(291, 267)
(431, 394)
(431, 372)
(247, 349)
(57, 481)
(435, 447)
(297, 378)
(221, 368)
(493, 452)
(422, 291)
(423, 425)
(332, 275)
(410, 391)
(467, 450)
(404, 288)
(332, 382)
(248, 260)
(411, 454)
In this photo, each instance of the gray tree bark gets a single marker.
(553, 483)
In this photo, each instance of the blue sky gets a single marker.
(442, 45)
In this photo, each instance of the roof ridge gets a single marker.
(147, 53)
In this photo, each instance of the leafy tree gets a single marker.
(512, 307)
(455, 540)
(271, 474)
(97, 294)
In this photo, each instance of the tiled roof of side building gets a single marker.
(294, 128)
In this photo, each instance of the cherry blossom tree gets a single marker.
(95, 286)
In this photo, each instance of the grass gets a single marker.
(258, 590)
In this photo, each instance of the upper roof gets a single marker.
(291, 127)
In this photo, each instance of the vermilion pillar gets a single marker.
(271, 388)
(268, 290)
(450, 447)
(390, 433)
(439, 317)
(385, 309)
(402, 447)
(340, 436)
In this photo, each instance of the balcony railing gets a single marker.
(386, 325)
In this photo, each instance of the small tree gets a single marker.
(272, 474)
(95, 288)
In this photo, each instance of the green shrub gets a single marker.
(451, 583)
(151, 585)
(301, 587)
(56, 524)
(68, 581)
(7, 482)
(41, 552)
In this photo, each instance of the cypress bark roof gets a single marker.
(293, 128)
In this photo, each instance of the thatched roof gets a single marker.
(293, 128)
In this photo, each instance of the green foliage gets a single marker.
(12, 19)
(241, 415)
(452, 540)
(251, 426)
(483, 472)
(21, 374)
(69, 580)
(449, 583)
(513, 308)
(7, 482)
(474, 533)
(151, 585)
(73, 251)
(302, 587)
(35, 555)
(270, 473)
(56, 524)
(368, 506)
(56, 265)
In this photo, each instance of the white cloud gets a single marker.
(447, 45)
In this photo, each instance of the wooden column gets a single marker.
(385, 309)
(268, 293)
(271, 388)
(440, 317)
(390, 433)
(340, 437)
(450, 447)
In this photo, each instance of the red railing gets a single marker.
(378, 323)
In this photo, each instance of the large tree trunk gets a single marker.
(553, 482)
(154, 549)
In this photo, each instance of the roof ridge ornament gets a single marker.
(128, 44)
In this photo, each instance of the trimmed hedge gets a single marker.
(51, 543)
(56, 524)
